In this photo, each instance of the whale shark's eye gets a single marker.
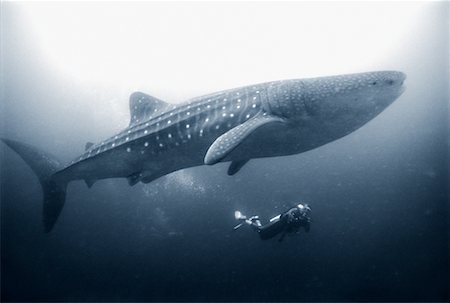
(374, 83)
(389, 82)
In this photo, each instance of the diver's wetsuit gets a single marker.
(289, 222)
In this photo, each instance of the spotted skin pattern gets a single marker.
(264, 120)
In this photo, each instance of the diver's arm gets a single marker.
(282, 236)
(307, 227)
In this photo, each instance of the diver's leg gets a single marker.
(270, 230)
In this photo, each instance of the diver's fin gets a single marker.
(44, 166)
(252, 221)
(236, 166)
(238, 226)
(142, 106)
(231, 139)
(89, 182)
(239, 216)
(88, 145)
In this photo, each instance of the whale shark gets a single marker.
(271, 119)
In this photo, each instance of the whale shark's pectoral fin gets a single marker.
(228, 141)
(142, 106)
(236, 166)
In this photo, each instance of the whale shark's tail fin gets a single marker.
(44, 166)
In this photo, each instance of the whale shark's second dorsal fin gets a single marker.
(236, 166)
(143, 106)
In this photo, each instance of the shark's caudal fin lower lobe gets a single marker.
(44, 166)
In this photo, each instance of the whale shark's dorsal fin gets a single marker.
(143, 106)
(232, 138)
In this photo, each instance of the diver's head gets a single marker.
(304, 207)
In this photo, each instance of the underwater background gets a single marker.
(379, 196)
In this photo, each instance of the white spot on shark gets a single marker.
(128, 149)
(187, 125)
(146, 144)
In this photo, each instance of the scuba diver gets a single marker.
(287, 222)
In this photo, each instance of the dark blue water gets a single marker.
(379, 198)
